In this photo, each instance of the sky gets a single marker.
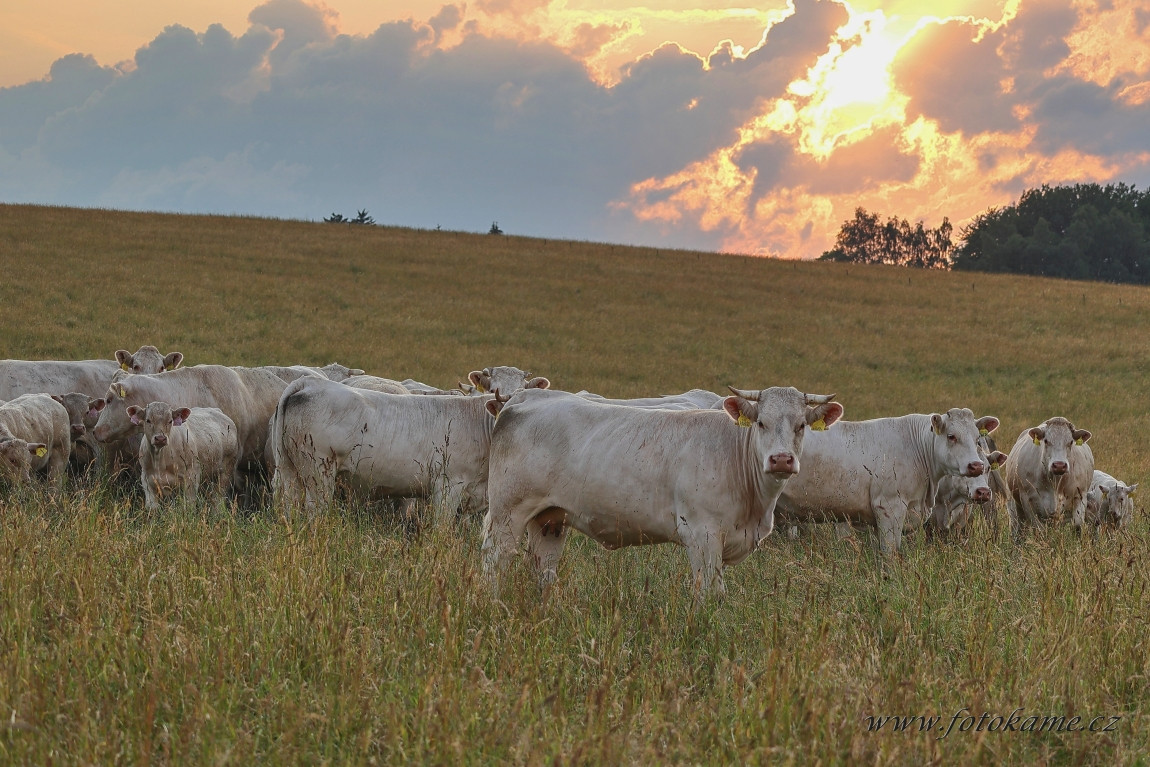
(718, 126)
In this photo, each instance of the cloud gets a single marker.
(453, 122)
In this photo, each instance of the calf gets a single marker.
(1109, 502)
(956, 496)
(1048, 475)
(182, 449)
(883, 473)
(34, 433)
(83, 411)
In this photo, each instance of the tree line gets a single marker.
(1084, 231)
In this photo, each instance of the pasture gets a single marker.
(202, 636)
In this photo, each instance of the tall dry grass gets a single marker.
(202, 635)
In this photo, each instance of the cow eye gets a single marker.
(951, 438)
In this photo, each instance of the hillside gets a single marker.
(352, 638)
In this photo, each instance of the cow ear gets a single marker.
(173, 360)
(997, 458)
(938, 423)
(825, 415)
(538, 382)
(124, 357)
(1081, 436)
(1037, 434)
(986, 424)
(1105, 490)
(96, 404)
(741, 411)
(1130, 491)
(355, 372)
(133, 414)
(57, 397)
(480, 380)
(493, 406)
(181, 415)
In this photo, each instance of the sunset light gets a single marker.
(711, 125)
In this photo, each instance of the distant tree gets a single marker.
(867, 240)
(336, 218)
(362, 219)
(495, 228)
(1085, 231)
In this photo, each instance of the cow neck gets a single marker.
(757, 487)
(926, 453)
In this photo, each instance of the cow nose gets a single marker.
(974, 469)
(101, 434)
(782, 463)
(77, 430)
(159, 440)
(1059, 467)
(981, 494)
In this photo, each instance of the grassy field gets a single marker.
(198, 636)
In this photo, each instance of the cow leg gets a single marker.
(501, 537)
(546, 534)
(705, 553)
(889, 518)
(152, 495)
(446, 498)
(1078, 517)
(57, 467)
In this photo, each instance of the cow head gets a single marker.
(113, 422)
(339, 373)
(955, 436)
(77, 406)
(778, 418)
(1056, 439)
(16, 457)
(156, 422)
(505, 380)
(148, 359)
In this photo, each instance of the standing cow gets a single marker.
(386, 445)
(88, 376)
(883, 473)
(1048, 474)
(630, 476)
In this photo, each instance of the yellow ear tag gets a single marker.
(819, 425)
(124, 366)
(122, 395)
(994, 467)
(1037, 441)
(983, 432)
(744, 421)
(1132, 493)
(41, 452)
(1078, 442)
(481, 389)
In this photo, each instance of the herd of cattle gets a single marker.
(709, 472)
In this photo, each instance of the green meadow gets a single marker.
(211, 636)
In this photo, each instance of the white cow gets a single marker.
(88, 376)
(883, 473)
(1110, 501)
(34, 433)
(83, 411)
(629, 476)
(694, 399)
(956, 495)
(182, 449)
(246, 395)
(288, 373)
(1048, 474)
(385, 445)
(375, 383)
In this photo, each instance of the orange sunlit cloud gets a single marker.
(750, 129)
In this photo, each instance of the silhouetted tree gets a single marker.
(867, 240)
(495, 228)
(1085, 231)
(336, 218)
(362, 219)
